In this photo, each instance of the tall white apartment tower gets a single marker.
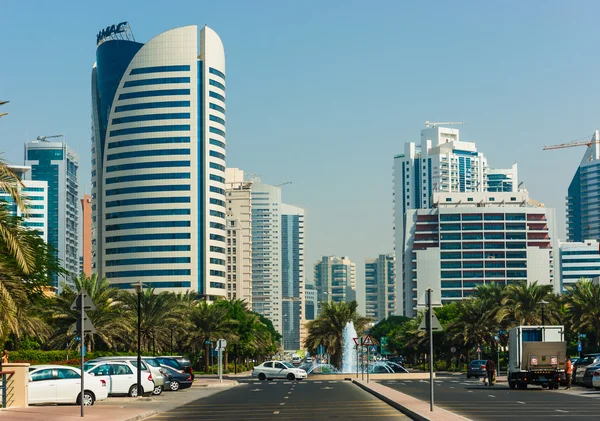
(266, 252)
(440, 163)
(158, 160)
(57, 165)
(239, 235)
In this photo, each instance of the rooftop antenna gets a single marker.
(434, 124)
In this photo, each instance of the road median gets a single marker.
(412, 407)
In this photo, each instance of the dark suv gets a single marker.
(476, 368)
(178, 363)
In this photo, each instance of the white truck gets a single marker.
(536, 356)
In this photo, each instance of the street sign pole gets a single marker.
(220, 365)
(368, 349)
(362, 362)
(430, 328)
(357, 349)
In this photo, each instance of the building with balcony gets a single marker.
(470, 239)
(379, 299)
(57, 165)
(441, 162)
(335, 279)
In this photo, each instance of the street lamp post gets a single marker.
(543, 303)
(138, 289)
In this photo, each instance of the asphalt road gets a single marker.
(473, 400)
(284, 400)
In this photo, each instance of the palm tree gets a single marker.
(521, 304)
(211, 322)
(583, 303)
(107, 318)
(476, 324)
(328, 327)
(159, 313)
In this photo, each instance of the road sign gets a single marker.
(436, 299)
(579, 348)
(478, 350)
(435, 323)
(221, 344)
(497, 338)
(373, 349)
(355, 341)
(453, 350)
(368, 341)
(583, 335)
(88, 326)
(87, 302)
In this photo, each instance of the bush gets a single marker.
(440, 365)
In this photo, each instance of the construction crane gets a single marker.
(283, 184)
(43, 138)
(2, 103)
(579, 142)
(434, 124)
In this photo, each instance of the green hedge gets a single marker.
(57, 357)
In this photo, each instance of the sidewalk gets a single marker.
(412, 407)
(120, 408)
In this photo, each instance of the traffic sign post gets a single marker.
(478, 351)
(83, 325)
(221, 345)
(368, 347)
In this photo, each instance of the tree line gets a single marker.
(484, 319)
(184, 323)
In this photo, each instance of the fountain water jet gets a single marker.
(349, 349)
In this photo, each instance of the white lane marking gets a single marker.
(438, 381)
(318, 382)
(392, 381)
(451, 387)
(332, 381)
(289, 393)
(491, 396)
(255, 390)
(282, 403)
(257, 383)
(276, 412)
(522, 403)
(454, 381)
(469, 391)
(327, 388)
(563, 411)
(408, 381)
(287, 382)
(273, 383)
(286, 397)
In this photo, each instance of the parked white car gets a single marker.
(278, 370)
(62, 384)
(596, 379)
(149, 364)
(120, 377)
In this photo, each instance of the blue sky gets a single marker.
(324, 93)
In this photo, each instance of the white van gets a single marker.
(296, 359)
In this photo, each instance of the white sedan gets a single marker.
(278, 370)
(120, 377)
(62, 384)
(596, 379)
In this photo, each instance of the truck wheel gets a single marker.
(545, 386)
(512, 385)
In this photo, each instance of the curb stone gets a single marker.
(143, 415)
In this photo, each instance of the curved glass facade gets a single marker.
(158, 204)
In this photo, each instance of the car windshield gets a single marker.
(288, 365)
(152, 362)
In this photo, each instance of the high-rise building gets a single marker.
(57, 165)
(86, 229)
(36, 195)
(266, 252)
(310, 302)
(578, 260)
(583, 197)
(158, 160)
(472, 239)
(239, 235)
(335, 279)
(379, 288)
(441, 163)
(292, 275)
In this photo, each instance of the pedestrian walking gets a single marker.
(5, 357)
(490, 368)
(568, 371)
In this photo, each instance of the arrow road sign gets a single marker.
(368, 341)
(87, 302)
(435, 323)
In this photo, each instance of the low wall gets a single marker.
(379, 376)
